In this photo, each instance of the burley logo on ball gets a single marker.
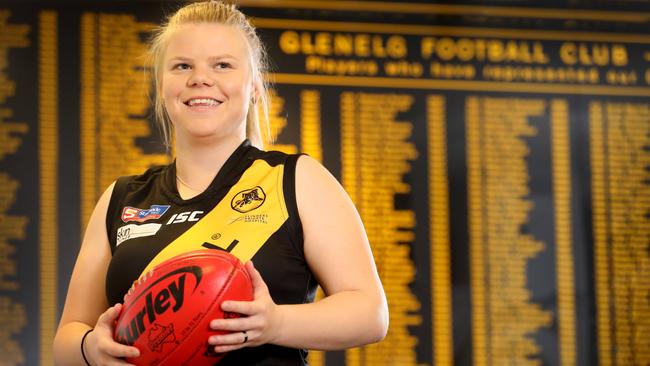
(166, 293)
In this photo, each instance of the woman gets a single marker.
(208, 65)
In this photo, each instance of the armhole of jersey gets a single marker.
(289, 183)
(113, 206)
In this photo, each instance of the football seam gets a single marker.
(159, 268)
(230, 276)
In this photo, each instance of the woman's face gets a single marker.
(206, 81)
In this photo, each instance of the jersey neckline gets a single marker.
(230, 169)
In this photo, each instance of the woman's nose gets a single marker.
(200, 77)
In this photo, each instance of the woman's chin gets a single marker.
(206, 136)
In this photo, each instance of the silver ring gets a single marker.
(245, 336)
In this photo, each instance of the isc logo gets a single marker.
(184, 216)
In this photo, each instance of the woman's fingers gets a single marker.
(232, 324)
(240, 307)
(259, 315)
(233, 341)
(116, 362)
(224, 349)
(234, 338)
(109, 317)
(100, 344)
(118, 350)
(256, 278)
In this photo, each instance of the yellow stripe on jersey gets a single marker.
(244, 220)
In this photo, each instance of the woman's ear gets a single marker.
(255, 92)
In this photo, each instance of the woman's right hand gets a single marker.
(100, 348)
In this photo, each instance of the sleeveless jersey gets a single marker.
(249, 210)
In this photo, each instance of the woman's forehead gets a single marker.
(206, 40)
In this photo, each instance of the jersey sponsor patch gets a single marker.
(131, 231)
(141, 215)
(251, 218)
(191, 216)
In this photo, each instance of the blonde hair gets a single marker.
(225, 14)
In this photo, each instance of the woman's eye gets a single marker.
(223, 65)
(182, 66)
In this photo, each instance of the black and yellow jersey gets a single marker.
(249, 210)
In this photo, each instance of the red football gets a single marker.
(166, 315)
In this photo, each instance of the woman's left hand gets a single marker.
(259, 324)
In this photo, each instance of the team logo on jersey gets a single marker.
(141, 215)
(248, 200)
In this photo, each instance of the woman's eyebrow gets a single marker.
(220, 57)
(179, 58)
